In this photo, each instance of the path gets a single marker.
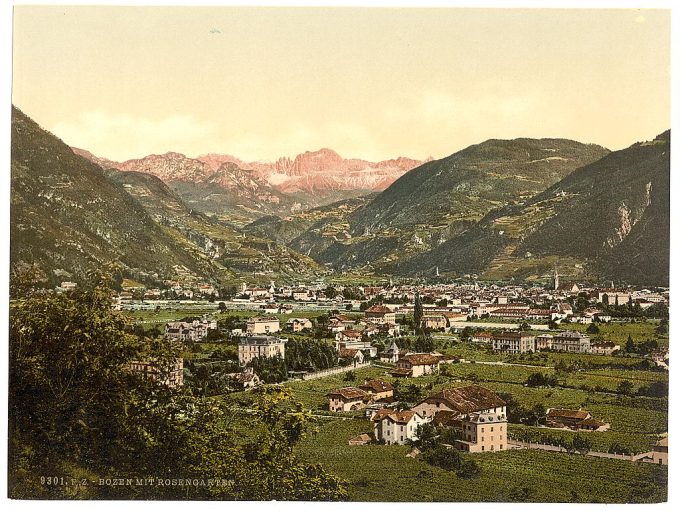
(518, 444)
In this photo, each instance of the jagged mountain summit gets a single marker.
(444, 198)
(69, 217)
(239, 191)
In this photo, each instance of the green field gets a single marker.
(618, 332)
(384, 473)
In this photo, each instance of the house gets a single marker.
(418, 364)
(604, 348)
(483, 432)
(299, 324)
(263, 325)
(260, 346)
(378, 389)
(362, 439)
(393, 354)
(172, 375)
(347, 399)
(180, 331)
(482, 337)
(395, 427)
(573, 419)
(300, 294)
(544, 342)
(435, 322)
(660, 451)
(246, 379)
(462, 401)
(379, 314)
(352, 355)
(572, 342)
(513, 342)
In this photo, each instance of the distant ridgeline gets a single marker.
(499, 210)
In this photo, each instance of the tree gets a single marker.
(625, 388)
(662, 329)
(349, 376)
(593, 329)
(222, 307)
(424, 344)
(417, 311)
(581, 444)
(630, 345)
(524, 326)
(330, 292)
(77, 410)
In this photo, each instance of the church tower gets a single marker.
(556, 279)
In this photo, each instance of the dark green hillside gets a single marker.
(67, 215)
(609, 219)
(616, 212)
(443, 199)
(228, 248)
(474, 181)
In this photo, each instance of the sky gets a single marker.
(261, 83)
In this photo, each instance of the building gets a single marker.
(172, 375)
(604, 348)
(263, 325)
(572, 342)
(246, 379)
(260, 346)
(513, 342)
(462, 401)
(299, 324)
(379, 314)
(351, 355)
(378, 389)
(482, 337)
(180, 331)
(394, 427)
(434, 322)
(483, 432)
(418, 364)
(544, 342)
(392, 354)
(347, 399)
(660, 452)
(578, 420)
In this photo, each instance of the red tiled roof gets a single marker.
(472, 398)
(567, 414)
(377, 385)
(348, 393)
(420, 359)
(347, 352)
(379, 309)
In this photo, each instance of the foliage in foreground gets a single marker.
(77, 412)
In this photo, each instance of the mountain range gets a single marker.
(498, 210)
(69, 216)
(238, 192)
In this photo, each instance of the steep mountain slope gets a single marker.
(609, 219)
(474, 180)
(228, 248)
(229, 192)
(442, 199)
(69, 217)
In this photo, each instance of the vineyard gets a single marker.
(384, 473)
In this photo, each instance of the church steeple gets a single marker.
(556, 279)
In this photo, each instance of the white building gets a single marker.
(396, 427)
(260, 346)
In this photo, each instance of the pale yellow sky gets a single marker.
(260, 83)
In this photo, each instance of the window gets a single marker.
(482, 448)
(482, 430)
(492, 429)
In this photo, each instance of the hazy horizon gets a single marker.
(262, 83)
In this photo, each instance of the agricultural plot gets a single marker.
(384, 473)
(618, 331)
